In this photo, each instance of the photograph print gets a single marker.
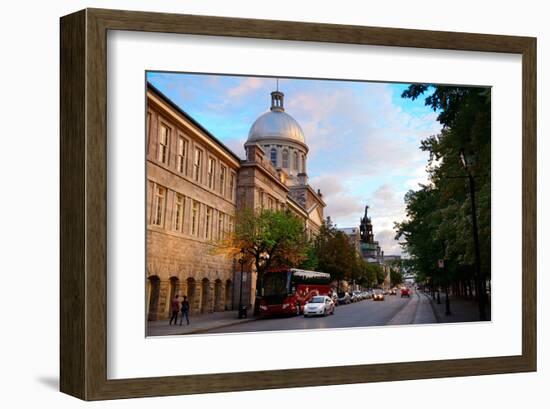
(286, 204)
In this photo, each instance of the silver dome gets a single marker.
(276, 124)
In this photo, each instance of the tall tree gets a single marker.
(332, 252)
(439, 215)
(269, 239)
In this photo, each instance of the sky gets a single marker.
(363, 138)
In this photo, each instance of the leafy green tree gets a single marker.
(311, 261)
(269, 238)
(396, 277)
(439, 218)
(332, 252)
(380, 275)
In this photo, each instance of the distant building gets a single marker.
(362, 238)
(195, 185)
(354, 237)
(370, 248)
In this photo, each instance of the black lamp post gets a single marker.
(443, 265)
(242, 309)
(467, 161)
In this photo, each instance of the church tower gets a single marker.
(365, 226)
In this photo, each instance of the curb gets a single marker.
(204, 330)
(434, 308)
(415, 308)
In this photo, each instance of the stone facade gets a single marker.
(194, 187)
(362, 238)
(191, 203)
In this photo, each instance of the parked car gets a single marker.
(344, 298)
(393, 291)
(319, 305)
(405, 292)
(356, 296)
(378, 295)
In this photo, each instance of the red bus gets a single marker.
(286, 291)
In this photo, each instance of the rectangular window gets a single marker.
(223, 171)
(148, 130)
(230, 227)
(164, 137)
(209, 214)
(179, 212)
(211, 173)
(232, 186)
(197, 164)
(158, 205)
(221, 232)
(195, 218)
(181, 164)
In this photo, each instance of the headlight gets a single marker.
(263, 307)
(285, 306)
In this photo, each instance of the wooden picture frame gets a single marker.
(83, 231)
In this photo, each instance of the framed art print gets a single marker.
(262, 192)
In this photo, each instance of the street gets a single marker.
(394, 310)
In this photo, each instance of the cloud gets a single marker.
(360, 130)
(363, 142)
(345, 207)
(247, 86)
(236, 145)
(387, 242)
(342, 205)
(364, 149)
(332, 185)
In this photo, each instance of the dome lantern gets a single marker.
(276, 125)
(277, 98)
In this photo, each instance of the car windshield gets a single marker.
(317, 300)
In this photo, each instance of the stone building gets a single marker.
(362, 238)
(354, 237)
(195, 185)
(370, 248)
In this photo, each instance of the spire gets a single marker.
(277, 98)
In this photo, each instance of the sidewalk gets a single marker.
(416, 311)
(198, 323)
(462, 309)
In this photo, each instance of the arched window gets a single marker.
(285, 159)
(274, 156)
(295, 164)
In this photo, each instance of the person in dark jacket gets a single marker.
(184, 310)
(175, 309)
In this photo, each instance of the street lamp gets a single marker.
(467, 161)
(242, 309)
(443, 266)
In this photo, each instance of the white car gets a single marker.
(319, 305)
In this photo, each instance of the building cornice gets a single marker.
(189, 123)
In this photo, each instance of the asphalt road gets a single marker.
(360, 314)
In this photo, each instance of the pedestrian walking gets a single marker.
(175, 309)
(184, 310)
